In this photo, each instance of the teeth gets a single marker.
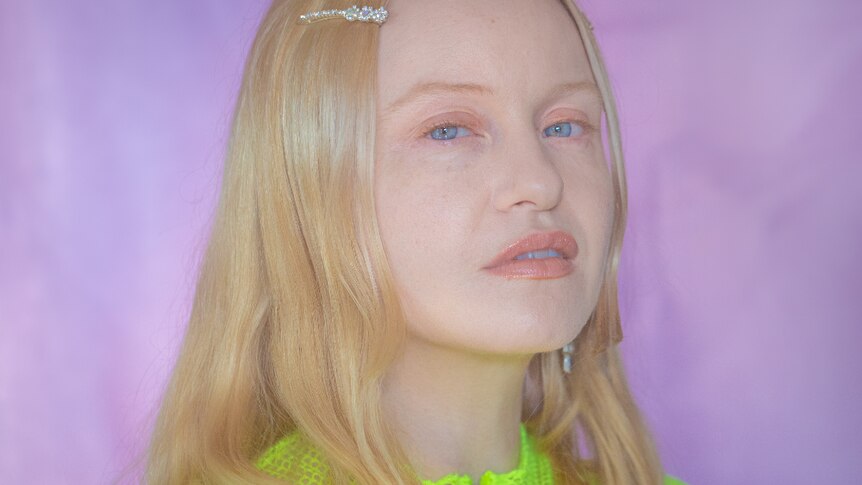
(544, 253)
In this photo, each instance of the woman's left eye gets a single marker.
(563, 129)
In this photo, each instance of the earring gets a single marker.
(567, 358)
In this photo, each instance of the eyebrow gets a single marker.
(431, 88)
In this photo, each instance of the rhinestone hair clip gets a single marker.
(362, 14)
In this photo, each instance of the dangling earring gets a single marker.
(567, 358)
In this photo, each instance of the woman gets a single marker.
(412, 274)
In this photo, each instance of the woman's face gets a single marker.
(488, 131)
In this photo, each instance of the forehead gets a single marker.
(513, 47)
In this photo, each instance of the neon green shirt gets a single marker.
(294, 459)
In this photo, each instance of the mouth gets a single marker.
(542, 255)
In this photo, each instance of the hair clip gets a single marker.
(362, 14)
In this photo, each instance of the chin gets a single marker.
(525, 325)
(530, 331)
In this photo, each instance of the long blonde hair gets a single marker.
(295, 318)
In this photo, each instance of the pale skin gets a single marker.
(461, 172)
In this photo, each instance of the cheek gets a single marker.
(425, 221)
(423, 213)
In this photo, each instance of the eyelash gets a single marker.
(588, 128)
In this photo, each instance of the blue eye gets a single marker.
(562, 129)
(448, 132)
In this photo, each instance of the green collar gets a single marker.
(295, 460)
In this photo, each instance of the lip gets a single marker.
(505, 264)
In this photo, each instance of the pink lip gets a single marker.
(507, 266)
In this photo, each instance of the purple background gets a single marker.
(741, 269)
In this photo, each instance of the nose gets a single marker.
(526, 175)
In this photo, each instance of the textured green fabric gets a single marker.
(293, 459)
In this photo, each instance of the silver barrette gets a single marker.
(362, 14)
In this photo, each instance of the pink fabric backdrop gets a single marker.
(741, 269)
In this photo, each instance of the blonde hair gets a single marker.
(295, 318)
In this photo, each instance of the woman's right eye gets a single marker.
(447, 131)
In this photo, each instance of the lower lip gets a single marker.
(534, 269)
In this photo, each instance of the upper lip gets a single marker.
(560, 241)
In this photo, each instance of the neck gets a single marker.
(456, 411)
